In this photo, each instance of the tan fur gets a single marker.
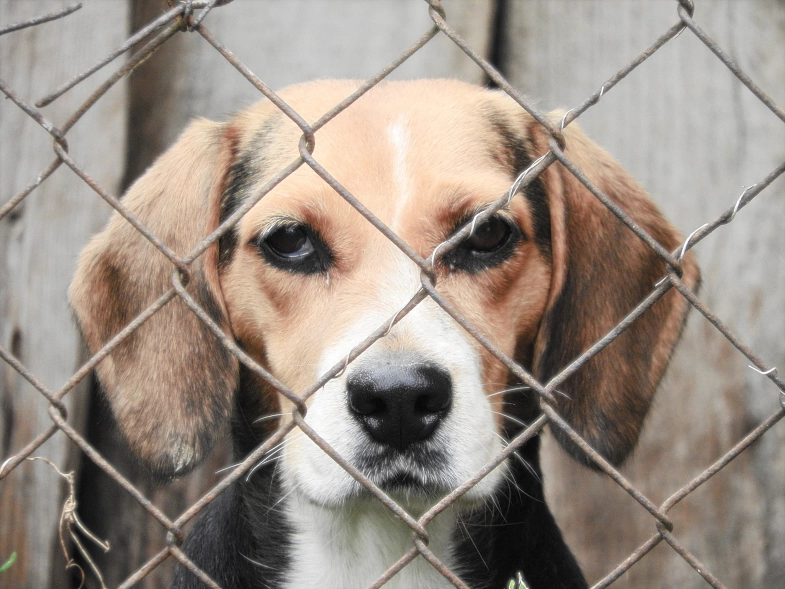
(168, 411)
(170, 384)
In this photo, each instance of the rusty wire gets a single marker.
(40, 19)
(182, 17)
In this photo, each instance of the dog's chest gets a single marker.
(351, 547)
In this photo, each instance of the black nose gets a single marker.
(399, 405)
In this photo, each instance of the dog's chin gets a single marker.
(417, 494)
(414, 489)
(409, 489)
(405, 482)
(405, 488)
(416, 478)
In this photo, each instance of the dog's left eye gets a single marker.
(295, 248)
(490, 244)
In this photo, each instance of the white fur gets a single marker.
(351, 547)
(399, 137)
(466, 435)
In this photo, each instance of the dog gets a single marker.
(303, 278)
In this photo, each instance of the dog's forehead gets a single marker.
(401, 149)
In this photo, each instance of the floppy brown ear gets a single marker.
(601, 271)
(170, 383)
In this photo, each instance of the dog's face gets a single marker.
(304, 277)
(322, 278)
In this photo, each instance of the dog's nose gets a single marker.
(399, 405)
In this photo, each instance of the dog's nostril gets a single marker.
(399, 405)
(367, 405)
(432, 403)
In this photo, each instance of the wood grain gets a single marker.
(39, 242)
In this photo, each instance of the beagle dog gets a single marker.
(303, 278)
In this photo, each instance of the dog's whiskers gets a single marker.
(264, 584)
(512, 484)
(521, 459)
(514, 389)
(270, 416)
(266, 460)
(515, 420)
(274, 505)
(230, 467)
(467, 534)
(270, 455)
(256, 562)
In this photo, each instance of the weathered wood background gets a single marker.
(692, 134)
(39, 242)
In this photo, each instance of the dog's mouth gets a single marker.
(419, 470)
(411, 488)
(401, 481)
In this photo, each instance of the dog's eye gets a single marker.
(295, 248)
(290, 242)
(490, 244)
(489, 237)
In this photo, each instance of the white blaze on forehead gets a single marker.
(400, 139)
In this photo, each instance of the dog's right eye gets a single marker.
(296, 248)
(290, 242)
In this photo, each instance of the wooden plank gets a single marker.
(695, 137)
(39, 242)
(285, 42)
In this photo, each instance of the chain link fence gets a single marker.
(188, 16)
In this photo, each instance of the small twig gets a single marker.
(68, 520)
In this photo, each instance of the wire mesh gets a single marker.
(187, 16)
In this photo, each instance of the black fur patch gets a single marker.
(244, 173)
(514, 156)
(243, 539)
(516, 533)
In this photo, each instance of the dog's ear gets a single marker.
(601, 271)
(170, 383)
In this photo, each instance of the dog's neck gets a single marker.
(352, 546)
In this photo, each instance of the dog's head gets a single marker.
(303, 278)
